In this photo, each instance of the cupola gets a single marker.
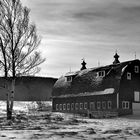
(116, 61)
(83, 65)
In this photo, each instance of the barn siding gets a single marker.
(86, 99)
(127, 88)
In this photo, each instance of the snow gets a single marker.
(109, 91)
(106, 91)
(123, 69)
(49, 125)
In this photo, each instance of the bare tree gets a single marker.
(18, 45)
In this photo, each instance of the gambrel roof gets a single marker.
(87, 82)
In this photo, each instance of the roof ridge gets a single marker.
(96, 68)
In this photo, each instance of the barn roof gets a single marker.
(86, 82)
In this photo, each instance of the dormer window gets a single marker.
(136, 69)
(128, 76)
(69, 78)
(101, 74)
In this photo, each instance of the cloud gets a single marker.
(93, 29)
(78, 17)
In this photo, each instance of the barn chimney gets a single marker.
(83, 65)
(116, 61)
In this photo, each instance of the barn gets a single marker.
(102, 91)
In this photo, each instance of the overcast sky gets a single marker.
(90, 29)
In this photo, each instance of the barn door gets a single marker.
(136, 96)
(136, 103)
(136, 108)
(92, 106)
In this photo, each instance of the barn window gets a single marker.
(125, 104)
(109, 104)
(98, 105)
(69, 78)
(85, 105)
(128, 76)
(101, 73)
(76, 106)
(104, 105)
(81, 106)
(136, 96)
(57, 107)
(92, 105)
(68, 106)
(64, 106)
(72, 106)
(136, 69)
(60, 106)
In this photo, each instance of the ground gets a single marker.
(30, 123)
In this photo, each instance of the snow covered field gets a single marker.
(28, 123)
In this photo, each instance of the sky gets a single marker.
(91, 29)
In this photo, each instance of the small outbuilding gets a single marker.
(28, 88)
(102, 91)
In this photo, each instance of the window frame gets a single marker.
(76, 106)
(57, 107)
(109, 104)
(81, 106)
(68, 106)
(104, 105)
(72, 106)
(129, 76)
(136, 69)
(99, 105)
(85, 105)
(64, 106)
(101, 73)
(60, 106)
(125, 104)
(69, 78)
(92, 106)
